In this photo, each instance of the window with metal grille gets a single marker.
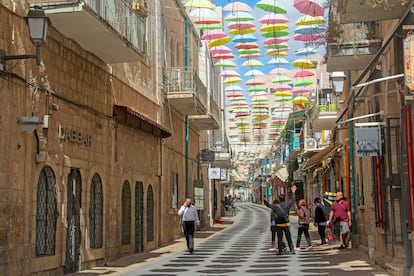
(46, 213)
(150, 214)
(96, 213)
(126, 213)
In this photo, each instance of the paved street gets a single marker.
(242, 249)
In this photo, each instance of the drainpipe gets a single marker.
(351, 160)
(187, 121)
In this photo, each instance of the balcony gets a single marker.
(110, 29)
(358, 11)
(324, 113)
(208, 121)
(351, 46)
(186, 92)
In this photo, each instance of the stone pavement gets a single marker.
(241, 248)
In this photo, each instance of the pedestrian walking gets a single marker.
(303, 220)
(341, 214)
(320, 220)
(273, 227)
(281, 211)
(190, 220)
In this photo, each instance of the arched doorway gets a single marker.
(139, 217)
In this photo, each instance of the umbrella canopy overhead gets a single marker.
(242, 31)
(273, 18)
(213, 34)
(246, 45)
(204, 16)
(252, 62)
(233, 88)
(225, 63)
(215, 26)
(224, 56)
(309, 7)
(241, 25)
(271, 6)
(310, 20)
(303, 63)
(220, 50)
(229, 73)
(237, 6)
(219, 42)
(278, 60)
(239, 16)
(305, 51)
(303, 73)
(253, 72)
(244, 38)
(231, 80)
(191, 4)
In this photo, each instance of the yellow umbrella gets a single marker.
(231, 80)
(218, 42)
(273, 27)
(277, 54)
(310, 20)
(303, 63)
(252, 62)
(242, 31)
(282, 94)
(300, 100)
(205, 4)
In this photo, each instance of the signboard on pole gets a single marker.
(408, 61)
(368, 142)
(214, 173)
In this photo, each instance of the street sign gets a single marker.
(214, 173)
(368, 142)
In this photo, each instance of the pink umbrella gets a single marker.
(273, 18)
(237, 6)
(251, 55)
(219, 50)
(242, 25)
(224, 56)
(282, 87)
(272, 52)
(276, 40)
(301, 90)
(234, 94)
(229, 73)
(303, 73)
(279, 71)
(309, 7)
(213, 34)
(254, 81)
(246, 45)
(307, 37)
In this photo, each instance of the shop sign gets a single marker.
(74, 136)
(214, 173)
(409, 61)
(368, 142)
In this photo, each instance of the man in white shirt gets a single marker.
(189, 218)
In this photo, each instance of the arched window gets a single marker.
(96, 213)
(150, 214)
(126, 213)
(173, 187)
(46, 213)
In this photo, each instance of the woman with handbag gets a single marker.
(303, 219)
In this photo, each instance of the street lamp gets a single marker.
(38, 23)
(338, 79)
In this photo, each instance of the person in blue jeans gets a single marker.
(303, 220)
(282, 210)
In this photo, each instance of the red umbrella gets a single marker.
(309, 7)
(224, 56)
(246, 45)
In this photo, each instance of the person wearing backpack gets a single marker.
(303, 220)
(321, 219)
(281, 211)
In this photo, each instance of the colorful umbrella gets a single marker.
(273, 27)
(224, 56)
(248, 51)
(242, 31)
(303, 63)
(253, 72)
(235, 94)
(231, 80)
(276, 46)
(233, 88)
(281, 79)
(276, 40)
(305, 51)
(310, 20)
(282, 87)
(256, 88)
(239, 16)
(283, 99)
(273, 18)
(204, 16)
(277, 52)
(219, 50)
(309, 29)
(218, 42)
(307, 37)
(250, 56)
(301, 90)
(213, 34)
(210, 26)
(244, 38)
(258, 93)
(199, 4)
(302, 82)
(252, 62)
(275, 34)
(237, 6)
(303, 73)
(278, 71)
(225, 63)
(278, 60)
(271, 6)
(246, 45)
(255, 81)
(229, 73)
(283, 94)
(310, 7)
(300, 100)
(240, 25)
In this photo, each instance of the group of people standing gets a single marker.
(337, 218)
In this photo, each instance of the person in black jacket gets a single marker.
(281, 211)
(320, 220)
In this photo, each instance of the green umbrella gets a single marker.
(256, 88)
(239, 16)
(248, 51)
(302, 82)
(281, 79)
(271, 6)
(275, 34)
(210, 27)
(276, 46)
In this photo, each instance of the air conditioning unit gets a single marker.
(310, 143)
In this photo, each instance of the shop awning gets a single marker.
(315, 159)
(137, 120)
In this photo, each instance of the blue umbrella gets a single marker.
(305, 51)
(309, 29)
(244, 38)
(233, 88)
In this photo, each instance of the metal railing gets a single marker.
(179, 80)
(123, 19)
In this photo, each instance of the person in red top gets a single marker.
(341, 213)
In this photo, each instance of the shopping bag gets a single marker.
(328, 233)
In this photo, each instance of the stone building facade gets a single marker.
(103, 170)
